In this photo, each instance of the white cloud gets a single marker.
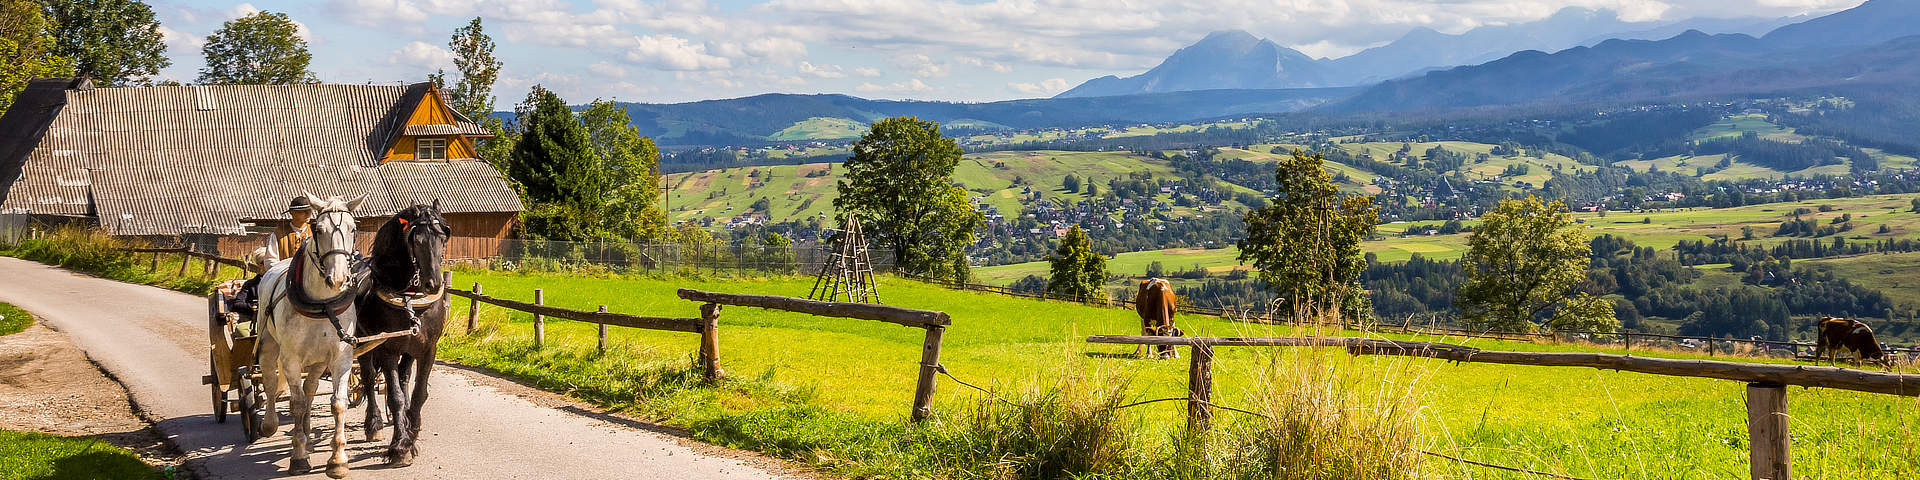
(423, 55)
(921, 65)
(1045, 87)
(668, 52)
(607, 69)
(868, 72)
(181, 43)
(911, 85)
(395, 14)
(822, 71)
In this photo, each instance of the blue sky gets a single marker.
(970, 50)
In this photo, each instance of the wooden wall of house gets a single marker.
(403, 149)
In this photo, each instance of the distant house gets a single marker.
(206, 161)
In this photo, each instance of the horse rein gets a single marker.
(407, 299)
(335, 233)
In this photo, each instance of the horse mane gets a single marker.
(392, 265)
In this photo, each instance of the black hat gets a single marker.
(299, 203)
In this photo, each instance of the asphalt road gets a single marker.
(154, 341)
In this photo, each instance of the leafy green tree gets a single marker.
(1306, 241)
(264, 48)
(1075, 270)
(1523, 263)
(899, 182)
(554, 168)
(626, 182)
(473, 55)
(114, 42)
(1071, 183)
(27, 49)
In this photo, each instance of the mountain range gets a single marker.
(1867, 45)
(1237, 59)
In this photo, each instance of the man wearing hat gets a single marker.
(297, 230)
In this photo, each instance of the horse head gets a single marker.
(424, 233)
(330, 248)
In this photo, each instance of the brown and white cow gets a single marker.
(1156, 304)
(1839, 335)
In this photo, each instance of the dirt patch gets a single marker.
(47, 385)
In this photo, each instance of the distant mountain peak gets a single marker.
(1226, 59)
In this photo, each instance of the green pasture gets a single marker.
(1220, 261)
(13, 319)
(29, 455)
(1737, 125)
(796, 376)
(821, 128)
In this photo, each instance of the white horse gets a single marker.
(306, 310)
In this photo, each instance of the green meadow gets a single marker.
(797, 382)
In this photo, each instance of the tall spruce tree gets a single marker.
(554, 168)
(1075, 271)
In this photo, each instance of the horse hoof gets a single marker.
(397, 458)
(336, 470)
(375, 436)
(298, 467)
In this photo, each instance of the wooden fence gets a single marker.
(708, 325)
(1766, 384)
(1626, 339)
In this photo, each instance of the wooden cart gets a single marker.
(234, 379)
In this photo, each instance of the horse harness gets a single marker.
(406, 298)
(332, 307)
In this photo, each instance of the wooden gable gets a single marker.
(432, 118)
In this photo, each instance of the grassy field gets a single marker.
(791, 194)
(1220, 261)
(28, 455)
(820, 128)
(798, 376)
(13, 319)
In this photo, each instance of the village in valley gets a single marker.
(1674, 239)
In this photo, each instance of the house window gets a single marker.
(430, 149)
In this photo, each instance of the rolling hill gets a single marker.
(788, 117)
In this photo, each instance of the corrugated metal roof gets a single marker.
(154, 161)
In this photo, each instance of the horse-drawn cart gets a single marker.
(235, 376)
(235, 379)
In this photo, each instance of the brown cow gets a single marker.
(1157, 304)
(1848, 335)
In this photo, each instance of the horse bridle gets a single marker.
(406, 235)
(334, 233)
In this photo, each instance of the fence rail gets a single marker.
(1767, 419)
(1626, 339)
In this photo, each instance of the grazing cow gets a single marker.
(1157, 304)
(1851, 336)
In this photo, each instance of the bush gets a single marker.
(93, 251)
(1322, 423)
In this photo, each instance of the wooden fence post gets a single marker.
(539, 321)
(1709, 347)
(155, 266)
(603, 333)
(929, 365)
(710, 343)
(1629, 337)
(1199, 388)
(473, 310)
(183, 263)
(1767, 431)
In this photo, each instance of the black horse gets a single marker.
(407, 291)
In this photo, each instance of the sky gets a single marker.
(953, 50)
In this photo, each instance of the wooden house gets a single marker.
(210, 160)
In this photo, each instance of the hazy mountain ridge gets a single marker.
(1236, 59)
(1843, 49)
(750, 120)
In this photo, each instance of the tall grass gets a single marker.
(93, 251)
(1328, 417)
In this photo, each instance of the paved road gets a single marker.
(154, 341)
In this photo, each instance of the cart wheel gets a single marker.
(249, 418)
(219, 395)
(354, 397)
